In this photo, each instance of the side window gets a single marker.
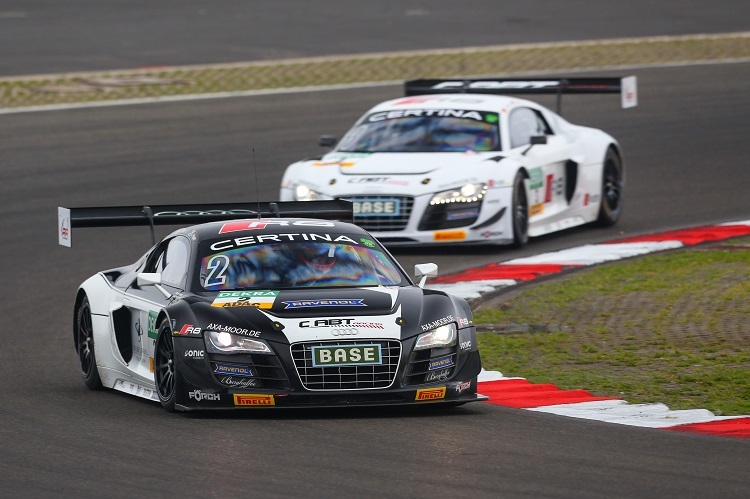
(525, 123)
(173, 264)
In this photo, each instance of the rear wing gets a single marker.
(189, 214)
(626, 86)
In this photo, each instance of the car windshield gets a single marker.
(294, 264)
(424, 130)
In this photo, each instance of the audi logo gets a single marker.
(344, 332)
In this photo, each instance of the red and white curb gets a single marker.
(520, 393)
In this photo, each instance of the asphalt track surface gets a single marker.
(51, 36)
(686, 155)
(686, 158)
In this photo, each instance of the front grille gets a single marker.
(265, 371)
(449, 215)
(384, 223)
(425, 365)
(362, 377)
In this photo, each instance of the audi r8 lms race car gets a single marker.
(268, 311)
(458, 161)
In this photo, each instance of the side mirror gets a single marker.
(152, 279)
(148, 279)
(536, 140)
(327, 141)
(425, 270)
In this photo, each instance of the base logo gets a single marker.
(253, 400)
(429, 394)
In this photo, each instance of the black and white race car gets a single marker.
(464, 162)
(268, 312)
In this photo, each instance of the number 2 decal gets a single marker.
(217, 268)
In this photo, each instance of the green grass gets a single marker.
(672, 327)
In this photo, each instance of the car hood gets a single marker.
(312, 313)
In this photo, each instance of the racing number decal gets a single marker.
(217, 268)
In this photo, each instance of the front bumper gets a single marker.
(196, 392)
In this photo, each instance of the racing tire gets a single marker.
(165, 371)
(84, 331)
(520, 212)
(612, 187)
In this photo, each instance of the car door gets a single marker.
(170, 259)
(551, 172)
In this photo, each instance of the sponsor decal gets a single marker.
(253, 400)
(594, 198)
(430, 394)
(418, 113)
(335, 302)
(369, 325)
(241, 225)
(367, 242)
(462, 215)
(195, 354)
(449, 235)
(379, 207)
(488, 234)
(464, 321)
(496, 85)
(200, 396)
(240, 382)
(536, 209)
(233, 330)
(440, 322)
(440, 363)
(152, 324)
(348, 323)
(536, 179)
(278, 238)
(232, 369)
(201, 213)
(378, 180)
(334, 356)
(437, 375)
(63, 227)
(548, 190)
(466, 345)
(187, 330)
(326, 323)
(460, 387)
(261, 299)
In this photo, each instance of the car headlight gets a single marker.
(222, 342)
(443, 336)
(468, 193)
(304, 193)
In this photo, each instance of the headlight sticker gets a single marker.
(440, 322)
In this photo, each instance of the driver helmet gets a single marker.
(319, 256)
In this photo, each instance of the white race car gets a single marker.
(456, 162)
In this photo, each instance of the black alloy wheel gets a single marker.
(612, 187)
(164, 366)
(85, 345)
(520, 212)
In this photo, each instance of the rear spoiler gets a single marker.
(189, 214)
(626, 86)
